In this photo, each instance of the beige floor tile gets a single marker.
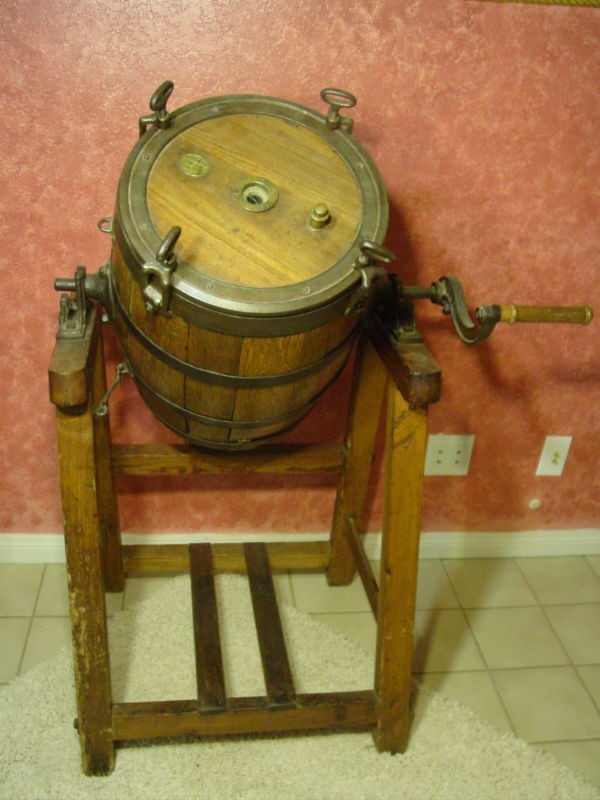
(53, 600)
(578, 628)
(581, 757)
(516, 637)
(474, 690)
(114, 602)
(590, 675)
(547, 704)
(489, 583)
(19, 587)
(561, 580)
(594, 562)
(13, 635)
(47, 637)
(359, 627)
(444, 642)
(434, 590)
(313, 594)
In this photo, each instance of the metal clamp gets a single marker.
(158, 272)
(122, 369)
(158, 104)
(74, 307)
(338, 98)
(394, 310)
(73, 311)
(371, 253)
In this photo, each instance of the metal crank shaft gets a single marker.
(448, 293)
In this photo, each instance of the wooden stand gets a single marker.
(97, 561)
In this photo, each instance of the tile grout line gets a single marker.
(488, 670)
(442, 564)
(465, 616)
(591, 566)
(581, 680)
(542, 608)
(31, 619)
(39, 591)
(553, 629)
(565, 741)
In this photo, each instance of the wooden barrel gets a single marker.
(238, 266)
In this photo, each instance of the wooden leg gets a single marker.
(363, 421)
(114, 579)
(86, 588)
(406, 439)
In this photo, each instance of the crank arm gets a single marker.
(448, 293)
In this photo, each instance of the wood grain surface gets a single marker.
(258, 249)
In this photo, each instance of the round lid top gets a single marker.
(272, 205)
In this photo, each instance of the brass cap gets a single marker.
(319, 216)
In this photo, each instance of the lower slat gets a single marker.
(276, 667)
(209, 662)
(173, 559)
(313, 712)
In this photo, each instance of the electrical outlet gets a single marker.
(554, 454)
(448, 455)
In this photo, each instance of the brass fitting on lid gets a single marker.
(319, 217)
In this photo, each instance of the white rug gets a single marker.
(453, 754)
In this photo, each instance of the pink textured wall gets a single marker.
(484, 120)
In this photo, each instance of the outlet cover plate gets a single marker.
(553, 456)
(448, 454)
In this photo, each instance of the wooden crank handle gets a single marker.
(578, 315)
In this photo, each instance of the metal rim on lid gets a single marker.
(194, 295)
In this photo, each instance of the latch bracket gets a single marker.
(338, 98)
(160, 117)
(158, 271)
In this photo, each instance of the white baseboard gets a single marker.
(22, 548)
(517, 544)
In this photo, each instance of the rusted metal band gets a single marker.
(151, 394)
(213, 444)
(240, 444)
(223, 379)
(219, 320)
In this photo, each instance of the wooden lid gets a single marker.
(242, 188)
(272, 205)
